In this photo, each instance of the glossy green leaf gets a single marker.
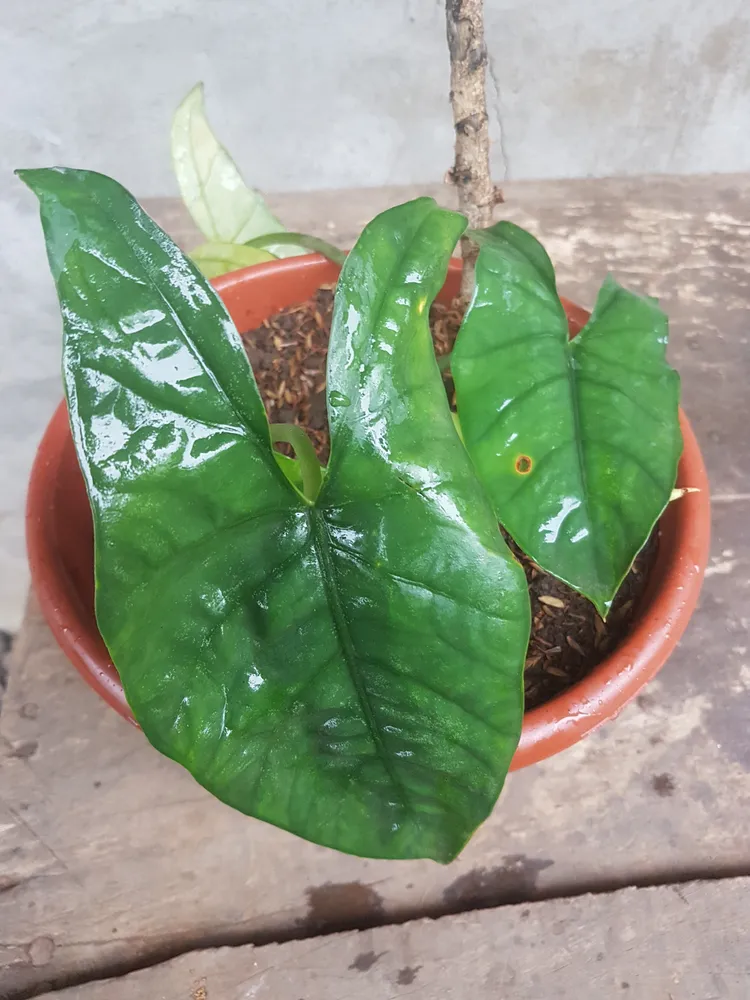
(224, 208)
(577, 442)
(350, 670)
(214, 259)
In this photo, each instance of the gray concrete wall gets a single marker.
(354, 92)
(326, 94)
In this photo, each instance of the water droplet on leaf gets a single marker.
(337, 398)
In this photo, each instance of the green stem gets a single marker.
(309, 465)
(311, 243)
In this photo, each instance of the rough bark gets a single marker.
(471, 169)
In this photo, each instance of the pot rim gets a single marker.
(548, 729)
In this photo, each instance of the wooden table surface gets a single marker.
(113, 859)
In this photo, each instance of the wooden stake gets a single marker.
(471, 170)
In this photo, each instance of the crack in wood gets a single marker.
(230, 938)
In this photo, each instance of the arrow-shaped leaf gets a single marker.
(349, 669)
(576, 442)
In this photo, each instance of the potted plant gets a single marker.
(340, 649)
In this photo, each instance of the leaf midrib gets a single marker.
(322, 545)
(577, 427)
(377, 314)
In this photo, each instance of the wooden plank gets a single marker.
(111, 855)
(667, 943)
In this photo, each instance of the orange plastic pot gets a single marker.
(60, 543)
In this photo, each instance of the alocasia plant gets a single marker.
(347, 663)
(340, 652)
(576, 442)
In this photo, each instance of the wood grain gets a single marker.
(668, 943)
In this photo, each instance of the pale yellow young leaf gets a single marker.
(224, 208)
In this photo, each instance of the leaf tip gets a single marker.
(602, 606)
(30, 176)
(682, 491)
(195, 95)
(43, 181)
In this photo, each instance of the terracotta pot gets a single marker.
(60, 543)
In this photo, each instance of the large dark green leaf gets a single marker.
(349, 670)
(576, 442)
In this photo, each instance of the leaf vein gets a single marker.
(387, 667)
(420, 585)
